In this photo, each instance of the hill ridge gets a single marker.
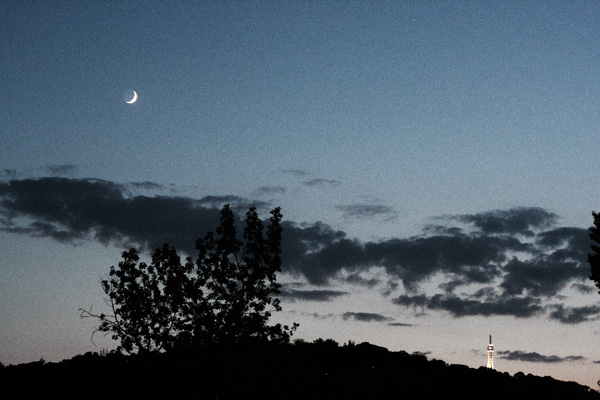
(317, 370)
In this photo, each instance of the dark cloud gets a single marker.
(320, 266)
(511, 262)
(442, 230)
(322, 182)
(237, 203)
(558, 262)
(520, 220)
(295, 172)
(311, 295)
(402, 324)
(552, 261)
(584, 288)
(565, 243)
(365, 317)
(574, 315)
(535, 357)
(367, 211)
(45, 229)
(357, 279)
(539, 278)
(77, 209)
(319, 316)
(561, 236)
(412, 260)
(300, 241)
(462, 306)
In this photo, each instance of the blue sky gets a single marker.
(434, 161)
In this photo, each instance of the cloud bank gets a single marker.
(514, 262)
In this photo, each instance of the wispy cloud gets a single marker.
(535, 357)
(312, 295)
(270, 190)
(367, 211)
(295, 172)
(365, 317)
(61, 169)
(322, 182)
(401, 324)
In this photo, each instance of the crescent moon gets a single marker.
(133, 99)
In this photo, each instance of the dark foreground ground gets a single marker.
(298, 371)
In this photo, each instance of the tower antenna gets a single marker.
(490, 350)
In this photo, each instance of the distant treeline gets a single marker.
(318, 370)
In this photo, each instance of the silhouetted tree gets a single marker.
(594, 256)
(325, 342)
(147, 301)
(225, 297)
(239, 277)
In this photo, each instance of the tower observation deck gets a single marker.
(490, 351)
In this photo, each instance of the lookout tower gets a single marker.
(490, 350)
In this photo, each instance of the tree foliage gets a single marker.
(226, 296)
(594, 256)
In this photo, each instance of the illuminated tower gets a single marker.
(490, 350)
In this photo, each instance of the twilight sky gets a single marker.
(434, 161)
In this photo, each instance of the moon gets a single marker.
(132, 96)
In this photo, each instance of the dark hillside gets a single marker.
(320, 370)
